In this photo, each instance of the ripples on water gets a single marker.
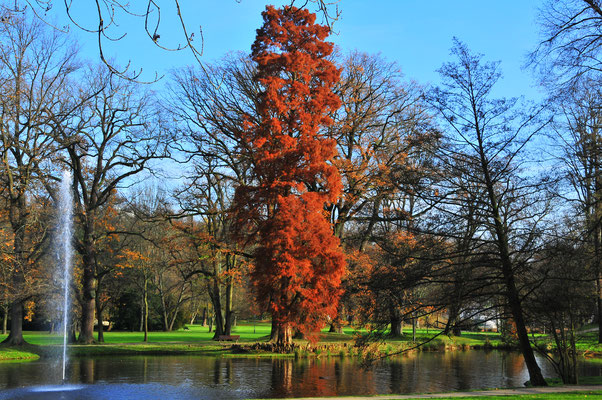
(190, 377)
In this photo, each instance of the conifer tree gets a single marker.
(298, 260)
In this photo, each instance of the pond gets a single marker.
(194, 377)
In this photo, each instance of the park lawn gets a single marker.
(194, 334)
(196, 339)
(586, 395)
(251, 332)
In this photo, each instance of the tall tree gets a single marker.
(486, 139)
(35, 66)
(298, 262)
(383, 131)
(113, 138)
(210, 110)
(581, 157)
(569, 59)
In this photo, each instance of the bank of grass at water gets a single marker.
(585, 395)
(12, 354)
(197, 340)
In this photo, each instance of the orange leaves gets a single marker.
(403, 239)
(29, 308)
(298, 261)
(130, 259)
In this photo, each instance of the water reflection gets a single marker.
(256, 377)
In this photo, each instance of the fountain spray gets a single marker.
(65, 249)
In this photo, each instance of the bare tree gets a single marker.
(563, 304)
(114, 137)
(579, 133)
(210, 109)
(489, 137)
(571, 38)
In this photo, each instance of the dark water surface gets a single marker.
(193, 377)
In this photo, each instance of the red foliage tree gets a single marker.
(298, 261)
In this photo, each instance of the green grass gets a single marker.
(249, 333)
(588, 343)
(194, 334)
(583, 380)
(197, 340)
(587, 395)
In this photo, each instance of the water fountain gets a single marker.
(65, 251)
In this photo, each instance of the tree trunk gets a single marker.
(501, 240)
(599, 304)
(72, 338)
(214, 294)
(514, 303)
(86, 334)
(337, 323)
(452, 327)
(163, 305)
(15, 337)
(230, 263)
(274, 331)
(4, 319)
(101, 337)
(141, 327)
(229, 315)
(173, 319)
(145, 306)
(285, 336)
(204, 317)
(396, 322)
(18, 218)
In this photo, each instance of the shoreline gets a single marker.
(595, 390)
(253, 343)
(32, 352)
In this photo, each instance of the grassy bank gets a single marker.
(28, 353)
(586, 395)
(196, 339)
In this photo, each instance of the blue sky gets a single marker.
(416, 34)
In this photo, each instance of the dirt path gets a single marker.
(499, 392)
